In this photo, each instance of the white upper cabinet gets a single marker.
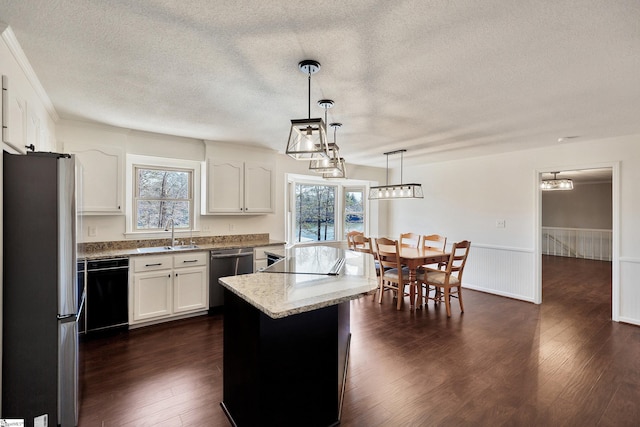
(101, 183)
(239, 188)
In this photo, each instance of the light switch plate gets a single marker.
(501, 223)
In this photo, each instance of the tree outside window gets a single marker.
(353, 210)
(161, 195)
(315, 212)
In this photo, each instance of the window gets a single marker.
(162, 194)
(353, 210)
(315, 212)
(321, 210)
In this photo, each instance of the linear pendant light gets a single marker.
(556, 184)
(396, 191)
(307, 137)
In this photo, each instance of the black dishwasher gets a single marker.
(106, 303)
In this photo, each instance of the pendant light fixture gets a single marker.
(326, 164)
(556, 184)
(308, 137)
(339, 168)
(396, 191)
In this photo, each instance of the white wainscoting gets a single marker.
(501, 271)
(629, 290)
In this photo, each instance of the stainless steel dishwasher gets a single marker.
(223, 263)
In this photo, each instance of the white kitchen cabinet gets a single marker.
(190, 282)
(260, 257)
(14, 117)
(101, 183)
(239, 188)
(152, 295)
(167, 286)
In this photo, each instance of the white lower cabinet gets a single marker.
(167, 286)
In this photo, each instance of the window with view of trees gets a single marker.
(162, 194)
(353, 210)
(315, 212)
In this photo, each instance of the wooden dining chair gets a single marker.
(434, 242)
(350, 236)
(392, 275)
(409, 240)
(447, 283)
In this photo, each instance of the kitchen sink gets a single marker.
(156, 249)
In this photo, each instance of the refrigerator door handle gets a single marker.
(63, 317)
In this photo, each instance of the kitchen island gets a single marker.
(286, 337)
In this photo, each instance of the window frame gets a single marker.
(339, 208)
(149, 162)
(136, 198)
(351, 189)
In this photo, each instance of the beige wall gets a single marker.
(113, 227)
(586, 206)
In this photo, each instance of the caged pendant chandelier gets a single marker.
(326, 164)
(556, 184)
(308, 137)
(339, 169)
(396, 191)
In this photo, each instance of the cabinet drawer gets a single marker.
(151, 263)
(190, 259)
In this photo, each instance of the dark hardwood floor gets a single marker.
(503, 362)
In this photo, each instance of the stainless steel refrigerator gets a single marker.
(40, 295)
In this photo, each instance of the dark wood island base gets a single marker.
(288, 371)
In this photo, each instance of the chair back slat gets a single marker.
(350, 235)
(409, 240)
(362, 244)
(434, 242)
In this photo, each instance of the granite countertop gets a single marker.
(282, 294)
(127, 248)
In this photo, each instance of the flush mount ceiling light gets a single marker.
(339, 168)
(307, 138)
(556, 184)
(396, 191)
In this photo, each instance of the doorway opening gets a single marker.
(577, 234)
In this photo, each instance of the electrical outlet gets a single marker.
(93, 231)
(232, 227)
(501, 223)
(206, 228)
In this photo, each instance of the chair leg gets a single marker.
(460, 299)
(400, 296)
(381, 291)
(447, 301)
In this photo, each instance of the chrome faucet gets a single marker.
(166, 228)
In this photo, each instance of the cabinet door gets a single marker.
(152, 295)
(190, 289)
(225, 183)
(258, 187)
(101, 173)
(14, 117)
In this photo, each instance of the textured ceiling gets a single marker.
(442, 79)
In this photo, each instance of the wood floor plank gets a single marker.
(502, 362)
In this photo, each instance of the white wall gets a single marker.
(112, 227)
(465, 198)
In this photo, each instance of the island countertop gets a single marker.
(280, 295)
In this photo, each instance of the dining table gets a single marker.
(413, 258)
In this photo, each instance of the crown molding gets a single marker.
(11, 41)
